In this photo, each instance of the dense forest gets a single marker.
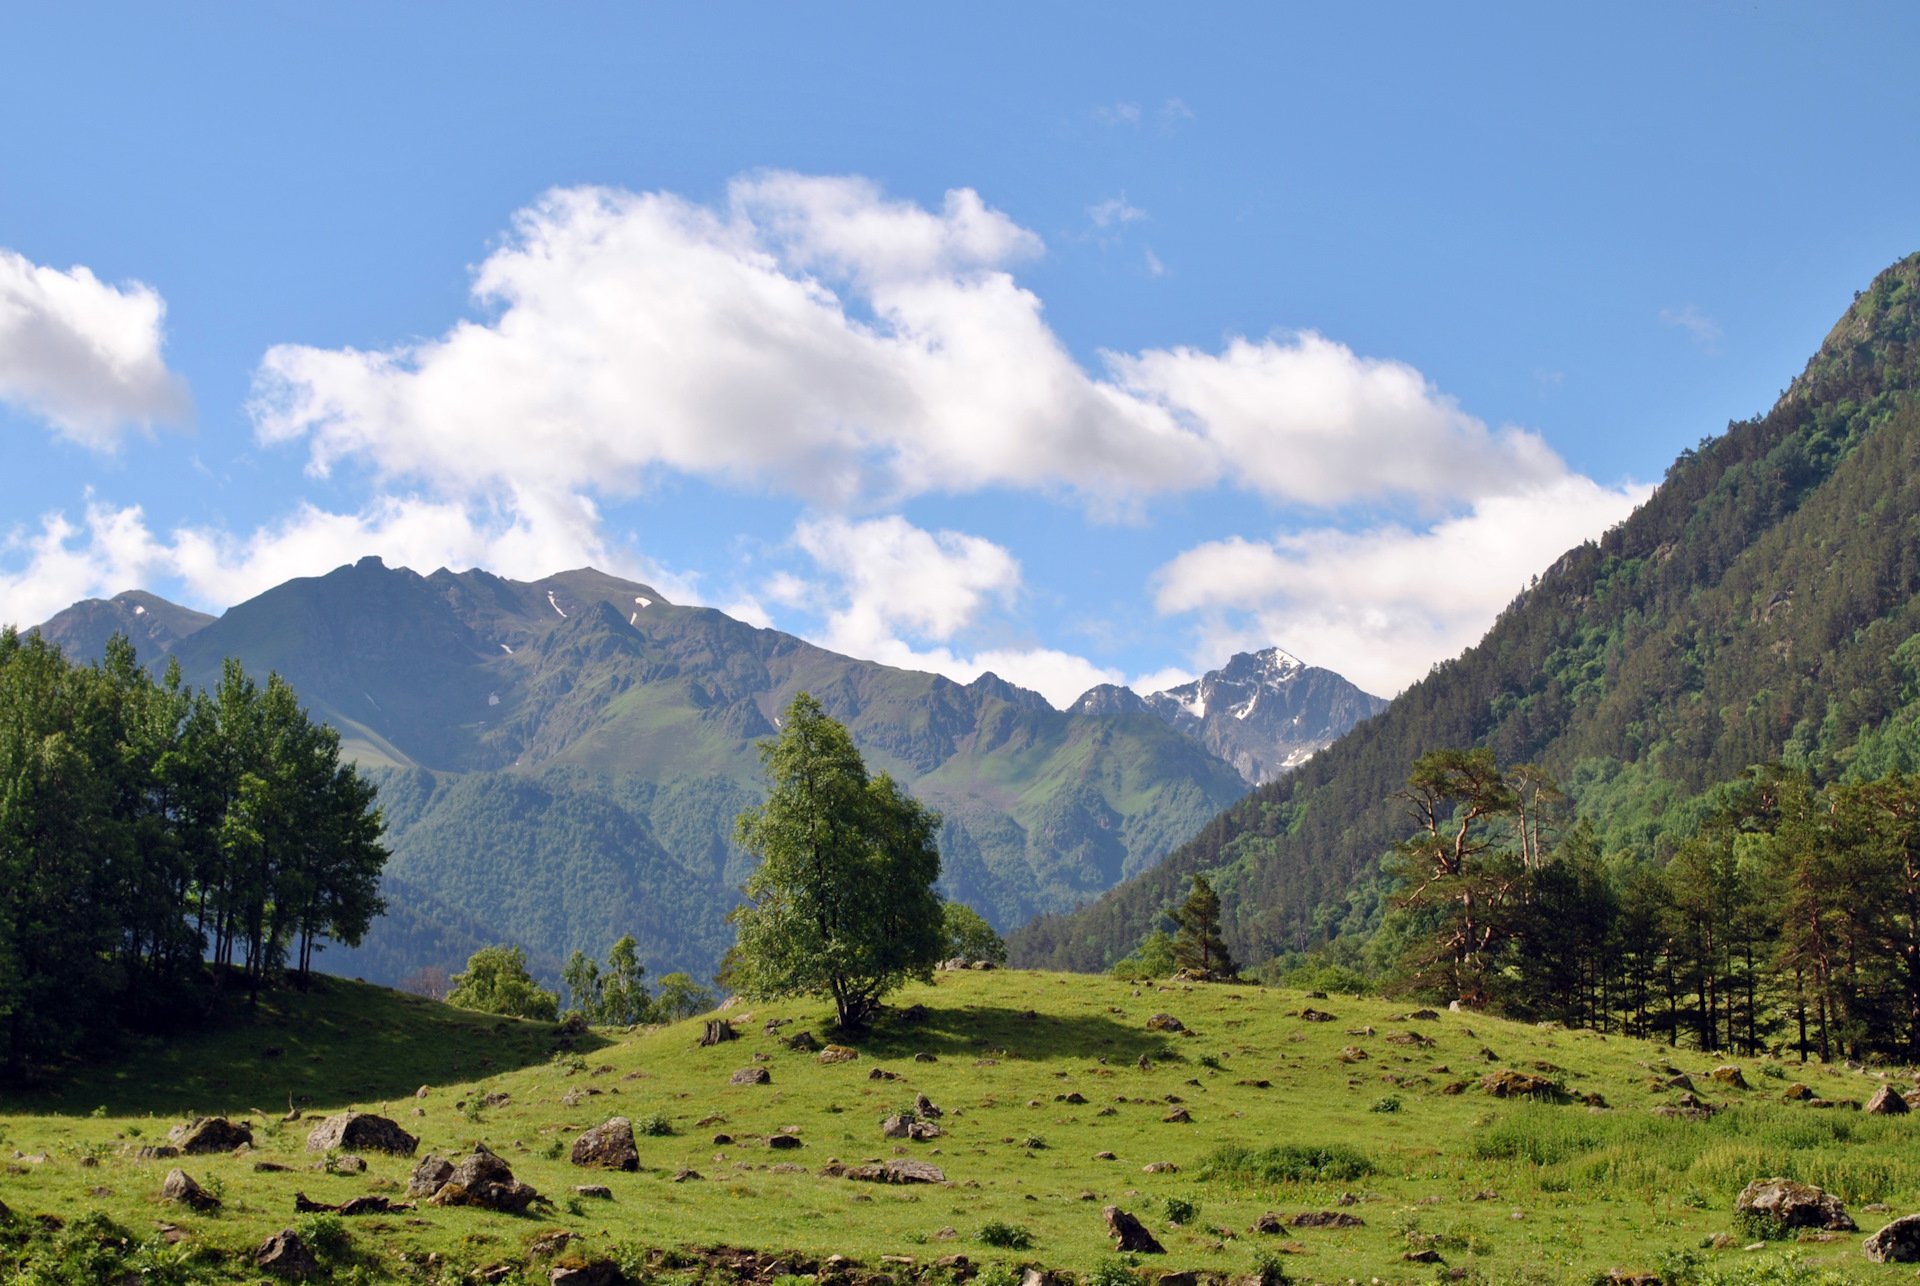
(1759, 607)
(148, 828)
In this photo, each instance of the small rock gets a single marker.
(179, 1187)
(593, 1191)
(361, 1131)
(1793, 1205)
(1165, 1022)
(1130, 1232)
(1887, 1101)
(718, 1031)
(209, 1134)
(1730, 1076)
(684, 1176)
(803, 1042)
(839, 1054)
(1179, 1116)
(1327, 1219)
(1160, 1167)
(285, 1255)
(751, 1076)
(783, 1142)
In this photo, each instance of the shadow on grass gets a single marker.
(993, 1031)
(335, 1044)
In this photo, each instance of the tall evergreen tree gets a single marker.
(1199, 946)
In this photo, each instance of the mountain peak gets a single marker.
(1265, 712)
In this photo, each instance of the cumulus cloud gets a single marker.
(83, 355)
(1381, 606)
(114, 548)
(815, 337)
(1703, 330)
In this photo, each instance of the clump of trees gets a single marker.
(497, 981)
(1789, 918)
(843, 903)
(969, 936)
(147, 828)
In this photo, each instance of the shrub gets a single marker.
(1180, 1210)
(1391, 1103)
(653, 1126)
(1112, 1272)
(326, 1236)
(1005, 1236)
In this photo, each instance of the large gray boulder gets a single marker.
(609, 1146)
(1790, 1204)
(361, 1132)
(1131, 1234)
(484, 1180)
(285, 1255)
(179, 1187)
(1897, 1243)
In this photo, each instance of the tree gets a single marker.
(623, 994)
(680, 997)
(496, 981)
(1199, 946)
(581, 975)
(843, 904)
(968, 935)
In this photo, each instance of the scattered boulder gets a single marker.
(1788, 1204)
(608, 1146)
(1179, 1116)
(429, 1176)
(1165, 1022)
(839, 1054)
(1159, 1167)
(924, 1107)
(161, 1152)
(1132, 1235)
(1312, 1015)
(751, 1076)
(1897, 1243)
(882, 1074)
(1730, 1076)
(209, 1134)
(369, 1205)
(1797, 1093)
(784, 1142)
(593, 1191)
(285, 1255)
(687, 1176)
(898, 1171)
(180, 1188)
(1509, 1083)
(1887, 1101)
(1326, 1219)
(718, 1030)
(347, 1163)
(484, 1180)
(361, 1131)
(803, 1042)
(599, 1272)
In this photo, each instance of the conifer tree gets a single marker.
(1199, 946)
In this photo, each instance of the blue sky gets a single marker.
(1077, 342)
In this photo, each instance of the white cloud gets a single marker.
(1382, 606)
(1117, 114)
(1174, 113)
(893, 577)
(82, 355)
(1703, 330)
(1154, 267)
(1310, 421)
(1114, 211)
(813, 336)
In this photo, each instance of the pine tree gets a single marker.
(1199, 947)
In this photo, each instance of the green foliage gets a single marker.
(1285, 1163)
(146, 827)
(1153, 958)
(653, 1125)
(616, 997)
(496, 981)
(1180, 1210)
(681, 997)
(1386, 1104)
(326, 1235)
(1005, 1236)
(1199, 947)
(969, 936)
(1113, 1271)
(843, 904)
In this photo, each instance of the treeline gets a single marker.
(147, 829)
(1790, 919)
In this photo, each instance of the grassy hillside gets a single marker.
(1388, 1105)
(1762, 604)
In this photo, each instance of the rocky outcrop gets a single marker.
(1786, 1204)
(479, 1179)
(1132, 1235)
(361, 1132)
(209, 1134)
(285, 1255)
(609, 1146)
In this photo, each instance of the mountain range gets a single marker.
(560, 761)
(1762, 605)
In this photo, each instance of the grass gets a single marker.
(1503, 1190)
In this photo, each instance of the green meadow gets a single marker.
(1372, 1112)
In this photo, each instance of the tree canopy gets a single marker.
(496, 981)
(843, 903)
(146, 827)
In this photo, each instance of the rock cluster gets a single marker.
(1788, 1204)
(480, 1179)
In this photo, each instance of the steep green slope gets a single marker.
(1760, 604)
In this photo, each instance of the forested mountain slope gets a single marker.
(561, 761)
(1760, 605)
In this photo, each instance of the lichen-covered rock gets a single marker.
(1730, 1076)
(608, 1146)
(839, 1054)
(429, 1176)
(751, 1076)
(209, 1134)
(1326, 1219)
(179, 1187)
(484, 1180)
(898, 1171)
(1132, 1235)
(1789, 1204)
(285, 1255)
(1165, 1022)
(1897, 1243)
(361, 1132)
